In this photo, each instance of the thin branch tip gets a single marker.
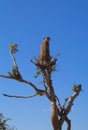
(20, 96)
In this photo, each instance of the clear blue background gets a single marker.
(27, 22)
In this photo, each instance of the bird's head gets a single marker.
(47, 39)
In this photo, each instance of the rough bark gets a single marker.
(54, 118)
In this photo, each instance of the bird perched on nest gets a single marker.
(45, 52)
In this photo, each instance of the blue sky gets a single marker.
(27, 22)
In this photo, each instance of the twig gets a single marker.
(65, 102)
(58, 101)
(4, 76)
(20, 96)
(13, 59)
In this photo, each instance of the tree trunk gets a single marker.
(54, 118)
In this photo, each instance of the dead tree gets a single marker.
(59, 112)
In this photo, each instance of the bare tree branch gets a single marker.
(13, 49)
(68, 123)
(20, 96)
(13, 59)
(4, 76)
(38, 91)
(58, 101)
(78, 89)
